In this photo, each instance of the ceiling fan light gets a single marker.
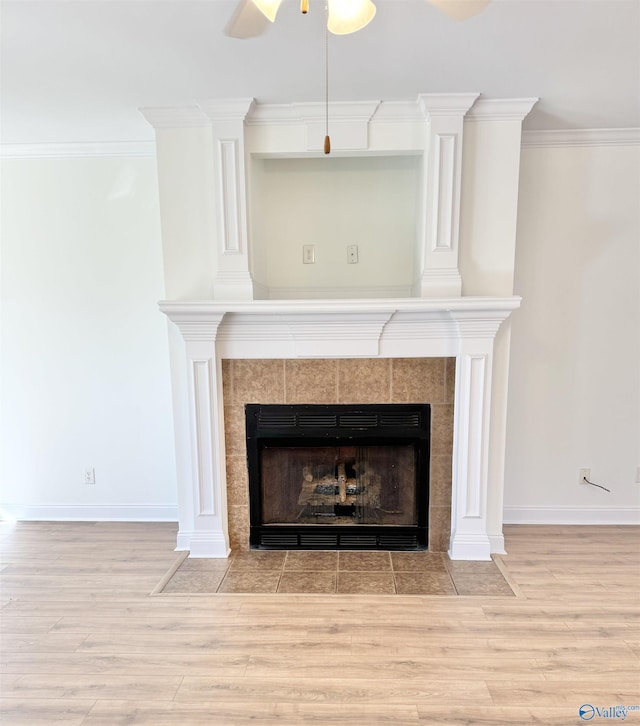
(348, 16)
(269, 8)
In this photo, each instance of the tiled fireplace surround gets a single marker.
(351, 380)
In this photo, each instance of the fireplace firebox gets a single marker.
(338, 476)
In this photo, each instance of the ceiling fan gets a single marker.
(252, 17)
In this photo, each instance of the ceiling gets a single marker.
(79, 70)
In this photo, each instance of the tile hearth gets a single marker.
(338, 572)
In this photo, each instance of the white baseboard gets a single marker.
(90, 512)
(571, 515)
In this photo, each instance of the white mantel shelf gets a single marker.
(411, 304)
(464, 327)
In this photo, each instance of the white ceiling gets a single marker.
(78, 70)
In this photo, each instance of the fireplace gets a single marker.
(338, 476)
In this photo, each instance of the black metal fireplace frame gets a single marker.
(307, 425)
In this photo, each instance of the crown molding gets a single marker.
(174, 117)
(500, 109)
(296, 113)
(446, 104)
(581, 137)
(78, 150)
(398, 111)
(230, 109)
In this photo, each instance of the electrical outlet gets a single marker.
(90, 476)
(308, 254)
(584, 474)
(352, 254)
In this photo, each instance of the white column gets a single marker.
(233, 279)
(469, 533)
(444, 114)
(203, 523)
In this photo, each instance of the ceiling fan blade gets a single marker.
(460, 9)
(246, 22)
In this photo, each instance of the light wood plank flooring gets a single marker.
(84, 642)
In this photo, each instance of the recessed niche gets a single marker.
(373, 202)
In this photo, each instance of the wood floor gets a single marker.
(84, 642)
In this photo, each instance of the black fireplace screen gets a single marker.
(338, 476)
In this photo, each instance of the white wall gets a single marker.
(84, 348)
(575, 363)
(332, 203)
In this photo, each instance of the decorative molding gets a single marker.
(180, 311)
(440, 282)
(572, 515)
(175, 117)
(399, 112)
(92, 512)
(500, 109)
(209, 544)
(230, 192)
(201, 396)
(230, 109)
(580, 137)
(80, 150)
(446, 104)
(301, 113)
(337, 335)
(444, 191)
(496, 542)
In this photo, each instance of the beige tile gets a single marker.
(250, 581)
(418, 562)
(308, 582)
(441, 429)
(424, 583)
(311, 560)
(227, 379)
(364, 380)
(258, 381)
(258, 560)
(237, 481)
(311, 381)
(235, 434)
(364, 561)
(366, 583)
(450, 380)
(439, 528)
(463, 567)
(204, 564)
(418, 380)
(238, 527)
(440, 480)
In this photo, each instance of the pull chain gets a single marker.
(327, 140)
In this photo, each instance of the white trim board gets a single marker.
(91, 512)
(571, 515)
(78, 150)
(580, 137)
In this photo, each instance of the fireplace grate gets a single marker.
(334, 540)
(286, 418)
(276, 420)
(319, 540)
(318, 420)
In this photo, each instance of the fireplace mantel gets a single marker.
(464, 327)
